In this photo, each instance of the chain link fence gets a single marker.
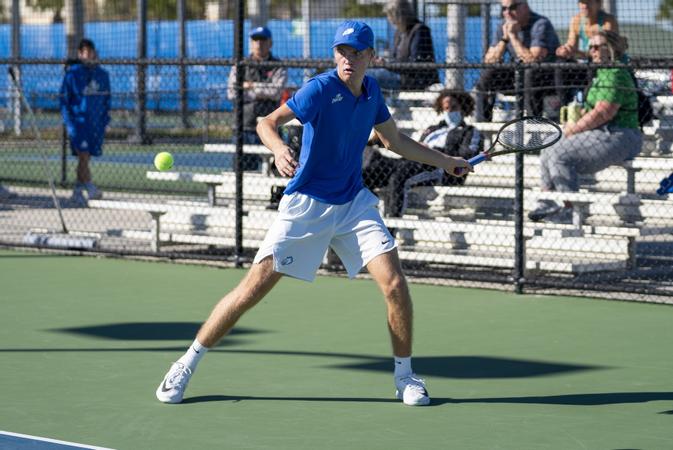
(612, 233)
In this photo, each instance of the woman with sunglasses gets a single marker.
(583, 26)
(608, 132)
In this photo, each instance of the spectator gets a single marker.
(412, 43)
(583, 26)
(524, 36)
(85, 107)
(608, 133)
(262, 89)
(451, 136)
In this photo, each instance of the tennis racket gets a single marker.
(524, 135)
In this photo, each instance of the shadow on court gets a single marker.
(150, 331)
(608, 398)
(475, 367)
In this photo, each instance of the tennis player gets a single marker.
(326, 205)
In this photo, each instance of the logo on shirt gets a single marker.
(337, 98)
(287, 261)
(92, 88)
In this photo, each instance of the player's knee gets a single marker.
(395, 288)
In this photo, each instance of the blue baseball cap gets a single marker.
(355, 34)
(260, 33)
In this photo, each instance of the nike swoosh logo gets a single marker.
(385, 242)
(195, 350)
(164, 388)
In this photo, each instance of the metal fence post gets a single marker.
(141, 74)
(182, 71)
(238, 133)
(519, 242)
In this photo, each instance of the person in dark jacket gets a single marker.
(412, 43)
(85, 107)
(262, 89)
(451, 136)
(526, 37)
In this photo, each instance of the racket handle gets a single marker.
(481, 157)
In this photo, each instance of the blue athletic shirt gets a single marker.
(336, 129)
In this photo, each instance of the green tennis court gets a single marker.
(85, 341)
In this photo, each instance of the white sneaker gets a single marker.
(173, 386)
(411, 390)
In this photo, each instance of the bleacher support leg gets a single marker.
(156, 230)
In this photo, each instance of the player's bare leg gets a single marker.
(259, 280)
(387, 272)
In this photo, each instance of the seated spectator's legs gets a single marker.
(251, 162)
(570, 81)
(585, 153)
(396, 192)
(491, 80)
(423, 178)
(537, 84)
(387, 80)
(377, 170)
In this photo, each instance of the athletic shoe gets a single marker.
(411, 390)
(543, 209)
(77, 198)
(6, 194)
(172, 388)
(93, 192)
(563, 216)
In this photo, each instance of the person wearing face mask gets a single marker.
(452, 136)
(85, 107)
(608, 132)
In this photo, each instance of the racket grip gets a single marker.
(481, 157)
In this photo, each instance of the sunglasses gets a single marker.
(597, 47)
(510, 8)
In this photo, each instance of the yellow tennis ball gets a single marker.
(163, 161)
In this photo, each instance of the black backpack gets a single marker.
(645, 109)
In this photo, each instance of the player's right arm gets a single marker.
(267, 129)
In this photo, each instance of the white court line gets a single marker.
(53, 441)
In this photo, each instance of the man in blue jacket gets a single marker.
(85, 106)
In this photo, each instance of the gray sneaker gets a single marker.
(543, 209)
(77, 198)
(93, 192)
(6, 194)
(172, 388)
(411, 390)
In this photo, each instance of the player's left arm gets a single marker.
(408, 148)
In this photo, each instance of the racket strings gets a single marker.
(528, 134)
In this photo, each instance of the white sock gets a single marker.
(402, 366)
(193, 355)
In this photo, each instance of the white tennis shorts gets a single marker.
(304, 228)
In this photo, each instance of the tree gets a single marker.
(665, 10)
